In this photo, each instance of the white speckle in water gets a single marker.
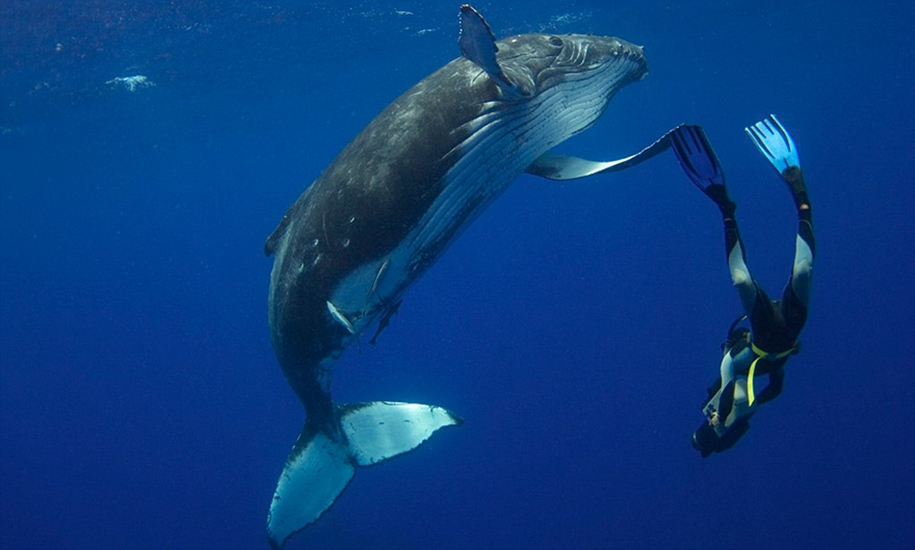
(317, 259)
(315, 244)
(131, 83)
(345, 243)
(352, 219)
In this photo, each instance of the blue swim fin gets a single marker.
(699, 161)
(696, 156)
(774, 142)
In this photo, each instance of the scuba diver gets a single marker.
(764, 348)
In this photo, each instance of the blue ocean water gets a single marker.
(575, 326)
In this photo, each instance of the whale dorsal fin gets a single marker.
(274, 238)
(478, 44)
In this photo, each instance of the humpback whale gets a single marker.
(386, 208)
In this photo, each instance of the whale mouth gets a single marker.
(634, 54)
(639, 58)
(614, 58)
(638, 53)
(609, 63)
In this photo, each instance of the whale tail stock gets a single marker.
(323, 460)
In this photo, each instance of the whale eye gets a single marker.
(555, 40)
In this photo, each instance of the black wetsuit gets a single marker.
(774, 327)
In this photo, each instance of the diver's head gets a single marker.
(705, 440)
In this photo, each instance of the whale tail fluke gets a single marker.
(322, 465)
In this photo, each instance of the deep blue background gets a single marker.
(575, 325)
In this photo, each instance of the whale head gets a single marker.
(577, 73)
(537, 62)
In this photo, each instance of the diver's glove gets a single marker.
(700, 164)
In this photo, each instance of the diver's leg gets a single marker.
(737, 261)
(777, 146)
(805, 245)
(796, 297)
(701, 165)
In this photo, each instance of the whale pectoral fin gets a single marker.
(562, 167)
(478, 44)
(380, 430)
(317, 471)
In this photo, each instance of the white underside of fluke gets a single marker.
(316, 472)
(320, 467)
(381, 430)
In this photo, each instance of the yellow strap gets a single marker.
(781, 355)
(751, 396)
